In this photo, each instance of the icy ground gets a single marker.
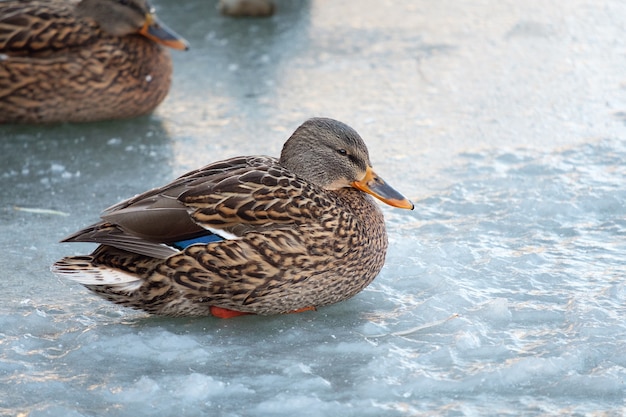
(504, 292)
(502, 295)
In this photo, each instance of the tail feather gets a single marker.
(83, 270)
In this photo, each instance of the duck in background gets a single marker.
(246, 8)
(247, 235)
(68, 61)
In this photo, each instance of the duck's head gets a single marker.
(126, 17)
(332, 155)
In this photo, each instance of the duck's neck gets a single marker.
(361, 204)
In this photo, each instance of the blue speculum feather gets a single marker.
(210, 238)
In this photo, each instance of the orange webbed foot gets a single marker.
(224, 313)
(303, 309)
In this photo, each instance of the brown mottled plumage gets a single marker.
(301, 232)
(69, 61)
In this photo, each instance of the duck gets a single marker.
(246, 235)
(82, 61)
(246, 8)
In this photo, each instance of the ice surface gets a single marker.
(503, 292)
(517, 303)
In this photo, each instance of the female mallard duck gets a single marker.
(251, 234)
(63, 61)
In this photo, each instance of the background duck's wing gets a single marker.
(33, 29)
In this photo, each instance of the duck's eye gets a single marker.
(342, 152)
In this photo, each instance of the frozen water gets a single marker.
(503, 292)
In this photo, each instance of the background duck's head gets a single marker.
(332, 155)
(126, 17)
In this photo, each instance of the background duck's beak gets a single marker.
(376, 186)
(158, 32)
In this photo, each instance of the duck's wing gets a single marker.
(221, 201)
(31, 29)
(263, 197)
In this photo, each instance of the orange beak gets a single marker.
(376, 186)
(155, 30)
